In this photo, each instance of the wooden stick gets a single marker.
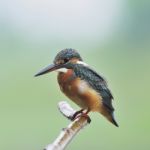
(68, 133)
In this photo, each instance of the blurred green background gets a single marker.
(112, 36)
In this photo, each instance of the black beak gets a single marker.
(48, 69)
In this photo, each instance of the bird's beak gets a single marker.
(48, 69)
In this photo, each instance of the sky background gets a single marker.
(112, 36)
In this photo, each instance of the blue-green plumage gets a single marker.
(96, 82)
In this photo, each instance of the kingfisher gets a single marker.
(80, 83)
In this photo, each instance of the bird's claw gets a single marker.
(80, 114)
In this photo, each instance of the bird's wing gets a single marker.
(97, 82)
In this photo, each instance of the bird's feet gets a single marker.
(80, 113)
(76, 114)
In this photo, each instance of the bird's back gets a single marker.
(96, 82)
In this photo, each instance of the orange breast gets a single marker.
(79, 91)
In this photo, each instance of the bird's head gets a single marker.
(62, 61)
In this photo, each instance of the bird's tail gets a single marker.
(112, 120)
(110, 117)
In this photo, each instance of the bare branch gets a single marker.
(67, 134)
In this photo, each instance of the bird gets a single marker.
(80, 83)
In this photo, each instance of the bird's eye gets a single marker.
(66, 60)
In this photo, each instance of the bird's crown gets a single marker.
(66, 55)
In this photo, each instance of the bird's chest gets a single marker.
(68, 83)
(77, 90)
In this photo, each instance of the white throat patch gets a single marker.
(64, 70)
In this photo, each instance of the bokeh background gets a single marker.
(113, 36)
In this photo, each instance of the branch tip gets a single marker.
(68, 133)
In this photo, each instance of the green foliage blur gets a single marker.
(29, 118)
